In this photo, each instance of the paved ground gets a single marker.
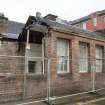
(85, 99)
(96, 101)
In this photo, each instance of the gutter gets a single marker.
(80, 34)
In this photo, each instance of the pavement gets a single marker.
(97, 98)
(97, 101)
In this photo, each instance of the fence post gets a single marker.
(26, 65)
(49, 82)
(93, 78)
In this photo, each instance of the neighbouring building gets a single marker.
(93, 22)
(73, 54)
(9, 32)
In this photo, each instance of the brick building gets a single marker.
(73, 53)
(93, 22)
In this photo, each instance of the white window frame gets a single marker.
(68, 62)
(94, 21)
(84, 25)
(83, 61)
(99, 60)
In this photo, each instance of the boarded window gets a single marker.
(35, 67)
(83, 63)
(63, 55)
(99, 51)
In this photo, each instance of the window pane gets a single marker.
(84, 25)
(99, 50)
(83, 67)
(63, 54)
(98, 65)
(95, 21)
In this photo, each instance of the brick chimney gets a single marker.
(3, 23)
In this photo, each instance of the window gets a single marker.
(99, 50)
(35, 67)
(94, 21)
(84, 25)
(63, 56)
(83, 63)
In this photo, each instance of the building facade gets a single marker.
(70, 54)
(93, 22)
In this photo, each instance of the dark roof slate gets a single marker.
(15, 27)
(13, 30)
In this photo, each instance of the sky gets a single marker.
(19, 10)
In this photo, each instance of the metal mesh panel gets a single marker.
(11, 78)
(77, 81)
(72, 82)
(18, 85)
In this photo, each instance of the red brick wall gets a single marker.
(3, 25)
(74, 51)
(89, 23)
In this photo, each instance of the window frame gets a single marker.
(99, 59)
(84, 25)
(68, 56)
(94, 20)
(86, 58)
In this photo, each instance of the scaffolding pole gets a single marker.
(48, 83)
(26, 65)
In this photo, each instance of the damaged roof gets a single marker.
(65, 28)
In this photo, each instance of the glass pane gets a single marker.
(83, 65)
(83, 57)
(63, 54)
(63, 64)
(98, 65)
(98, 52)
(99, 58)
(62, 47)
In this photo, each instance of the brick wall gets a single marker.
(3, 25)
(89, 23)
(74, 81)
(61, 84)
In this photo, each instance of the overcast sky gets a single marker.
(19, 10)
